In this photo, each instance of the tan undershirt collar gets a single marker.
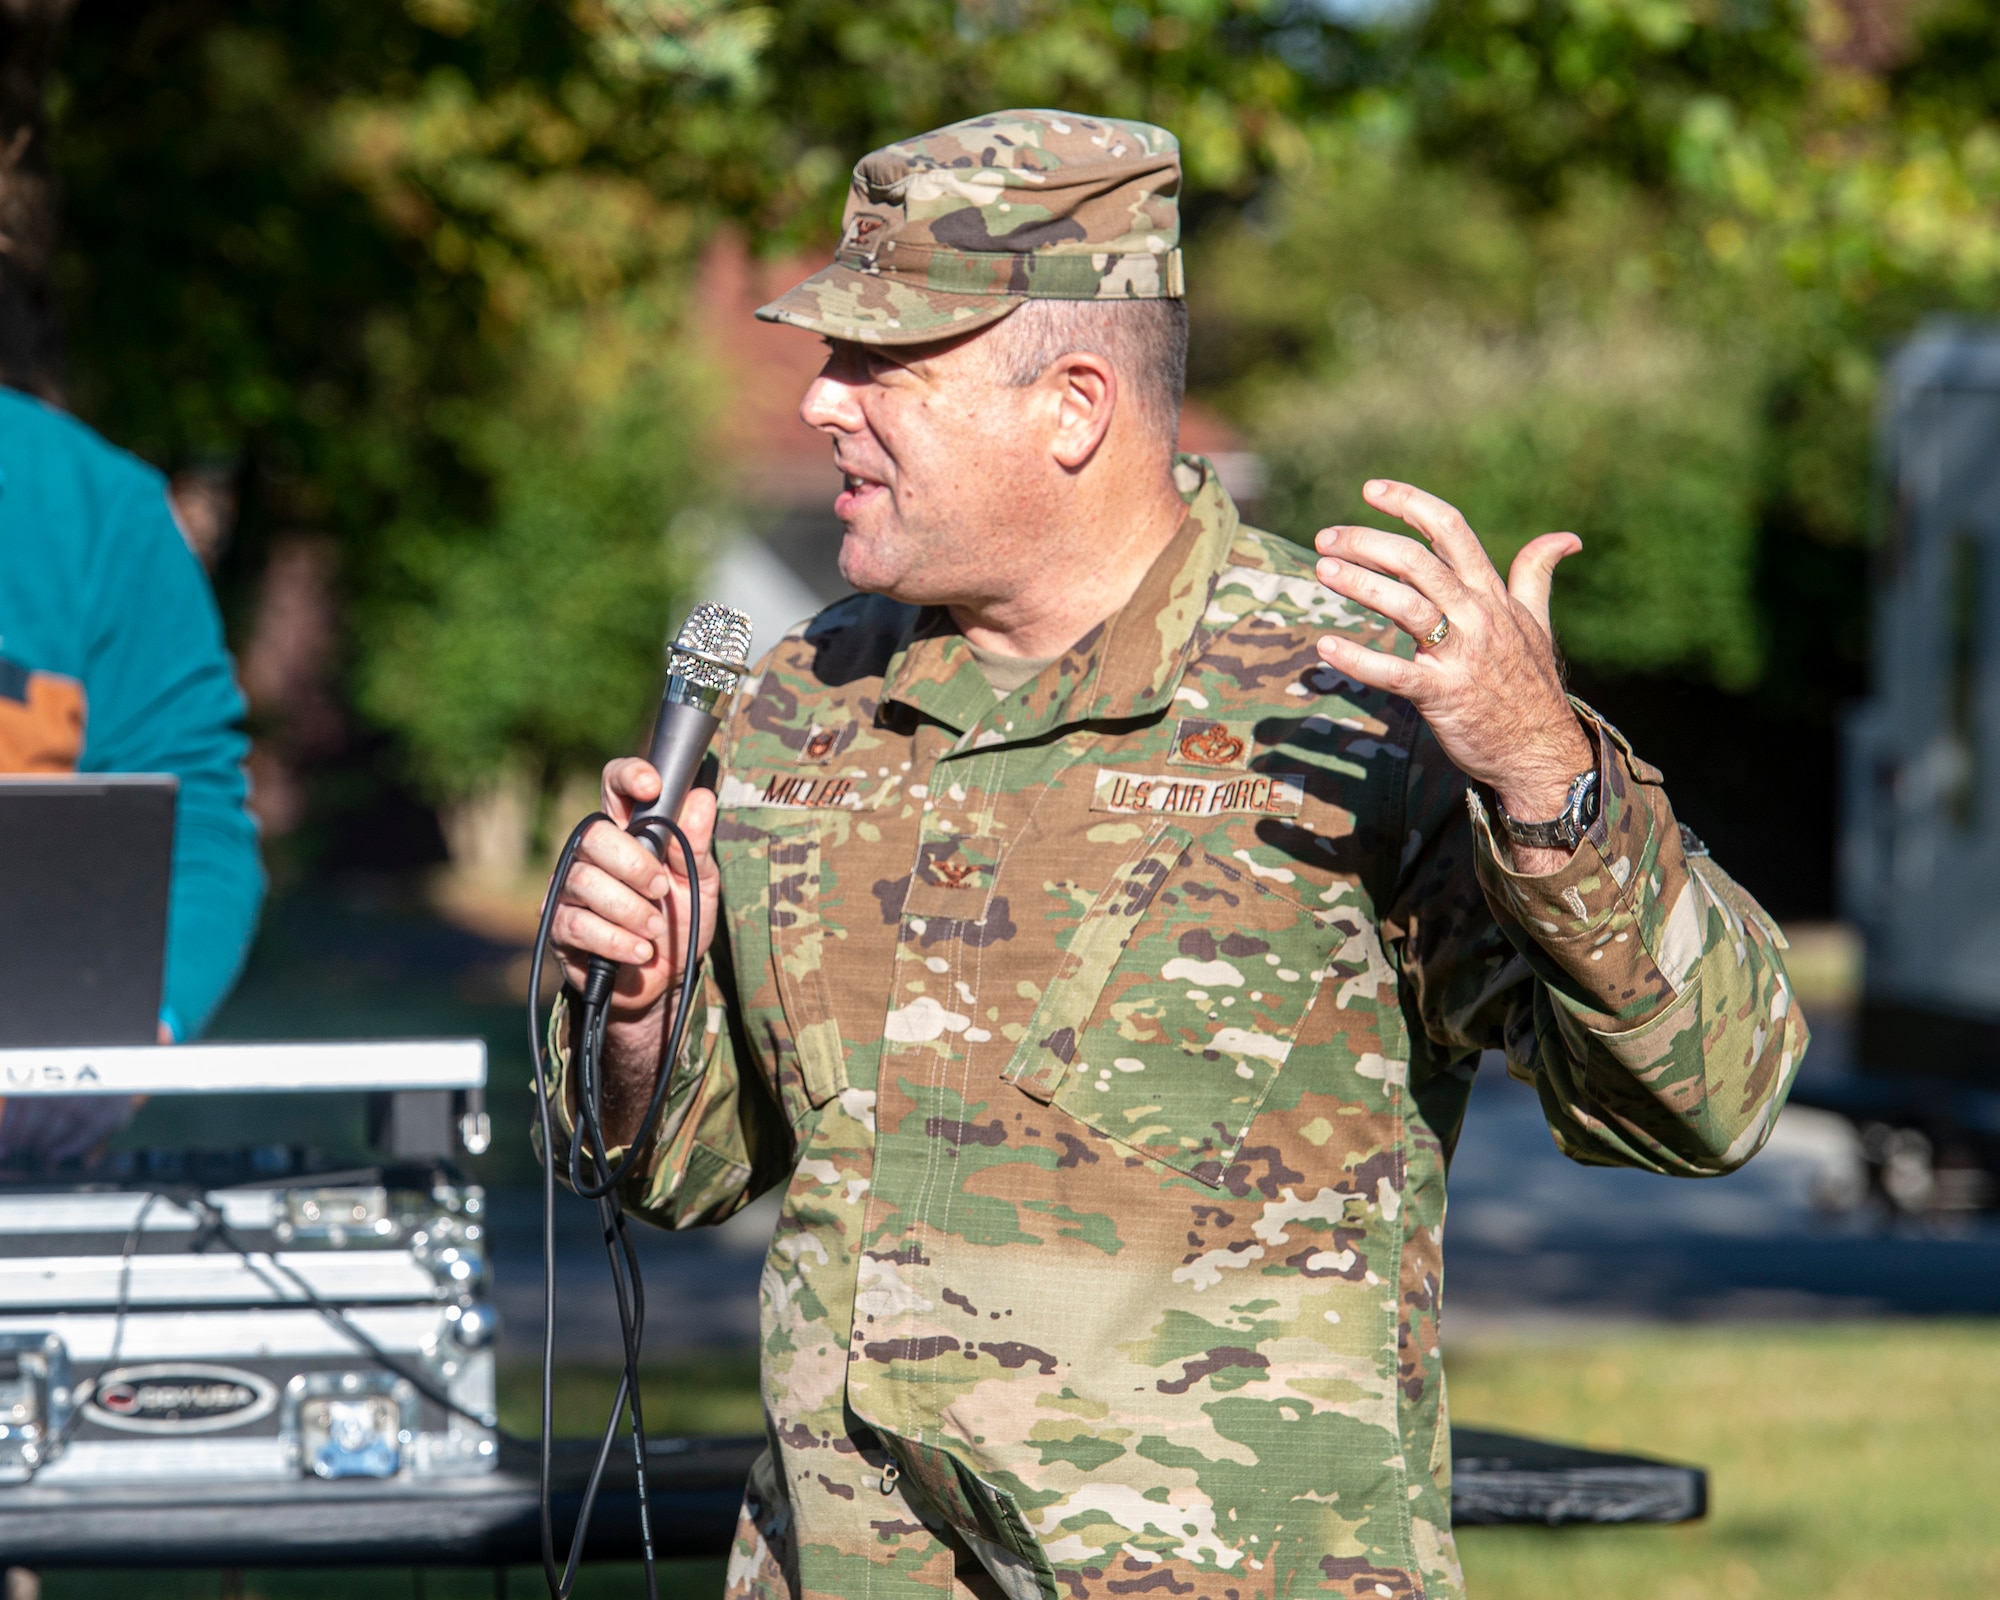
(1006, 673)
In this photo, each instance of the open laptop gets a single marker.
(85, 866)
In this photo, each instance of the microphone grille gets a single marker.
(713, 646)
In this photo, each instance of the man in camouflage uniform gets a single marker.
(1110, 932)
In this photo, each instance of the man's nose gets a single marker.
(832, 406)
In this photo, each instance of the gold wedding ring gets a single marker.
(1436, 636)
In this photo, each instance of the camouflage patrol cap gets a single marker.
(951, 230)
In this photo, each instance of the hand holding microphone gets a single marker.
(611, 904)
(627, 896)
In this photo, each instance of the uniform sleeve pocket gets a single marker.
(798, 952)
(1176, 1007)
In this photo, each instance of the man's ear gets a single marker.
(1083, 388)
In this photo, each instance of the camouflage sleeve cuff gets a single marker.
(1596, 920)
(561, 1089)
(688, 1069)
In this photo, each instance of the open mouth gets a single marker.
(855, 491)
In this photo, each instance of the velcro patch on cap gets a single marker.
(1132, 793)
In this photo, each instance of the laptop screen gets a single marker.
(85, 867)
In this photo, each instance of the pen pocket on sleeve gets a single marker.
(798, 951)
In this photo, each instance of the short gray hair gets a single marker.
(1146, 341)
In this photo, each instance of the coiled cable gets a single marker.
(594, 1176)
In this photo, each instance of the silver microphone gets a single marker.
(706, 661)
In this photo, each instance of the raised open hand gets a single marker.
(1485, 675)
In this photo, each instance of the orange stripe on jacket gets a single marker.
(41, 721)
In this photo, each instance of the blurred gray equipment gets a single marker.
(233, 1317)
(85, 867)
(239, 1333)
(249, 1358)
(1920, 846)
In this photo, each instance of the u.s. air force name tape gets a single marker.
(1129, 793)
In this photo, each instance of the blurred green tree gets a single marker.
(1781, 190)
(417, 269)
(404, 272)
(415, 273)
(1636, 438)
(530, 646)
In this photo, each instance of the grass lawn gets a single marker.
(1847, 1461)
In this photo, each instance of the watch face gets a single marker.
(1585, 810)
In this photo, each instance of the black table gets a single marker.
(1498, 1479)
(493, 1520)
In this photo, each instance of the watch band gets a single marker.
(1562, 832)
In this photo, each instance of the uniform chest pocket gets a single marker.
(1176, 1005)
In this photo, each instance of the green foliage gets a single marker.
(1541, 92)
(1541, 368)
(1355, 240)
(1245, 84)
(699, 39)
(424, 292)
(1641, 443)
(1666, 241)
(540, 633)
(217, 281)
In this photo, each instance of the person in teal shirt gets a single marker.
(112, 660)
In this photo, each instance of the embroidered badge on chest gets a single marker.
(952, 878)
(823, 741)
(1198, 742)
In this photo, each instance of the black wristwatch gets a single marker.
(1564, 832)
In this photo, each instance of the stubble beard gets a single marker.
(891, 558)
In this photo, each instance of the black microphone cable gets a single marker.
(589, 1151)
(706, 661)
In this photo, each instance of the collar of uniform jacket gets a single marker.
(1126, 667)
